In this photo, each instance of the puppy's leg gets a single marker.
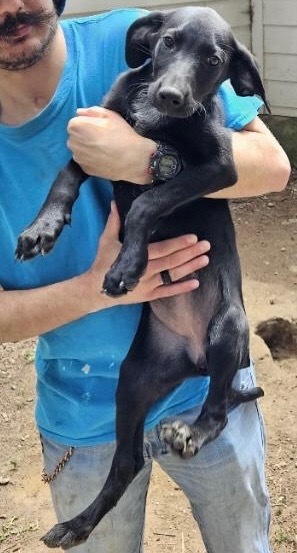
(42, 234)
(147, 210)
(228, 349)
(154, 366)
(127, 462)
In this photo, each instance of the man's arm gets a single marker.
(105, 145)
(261, 163)
(27, 313)
(262, 167)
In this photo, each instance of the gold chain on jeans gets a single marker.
(48, 478)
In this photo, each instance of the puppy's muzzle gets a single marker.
(172, 101)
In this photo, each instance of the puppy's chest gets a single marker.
(190, 135)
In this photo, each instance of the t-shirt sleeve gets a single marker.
(238, 110)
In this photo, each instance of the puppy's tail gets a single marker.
(236, 397)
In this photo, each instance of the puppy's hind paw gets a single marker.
(61, 535)
(181, 438)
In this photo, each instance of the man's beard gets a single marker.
(10, 26)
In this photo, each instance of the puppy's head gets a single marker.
(192, 51)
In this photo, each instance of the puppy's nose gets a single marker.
(171, 97)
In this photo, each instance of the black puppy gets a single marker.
(171, 98)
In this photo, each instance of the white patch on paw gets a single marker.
(179, 436)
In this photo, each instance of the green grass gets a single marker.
(11, 528)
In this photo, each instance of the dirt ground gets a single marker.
(267, 238)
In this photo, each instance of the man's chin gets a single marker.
(22, 61)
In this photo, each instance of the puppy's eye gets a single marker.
(168, 41)
(213, 60)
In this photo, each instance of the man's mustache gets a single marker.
(12, 22)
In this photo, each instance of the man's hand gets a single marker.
(105, 145)
(181, 256)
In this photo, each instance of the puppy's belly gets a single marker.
(189, 325)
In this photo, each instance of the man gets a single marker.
(47, 71)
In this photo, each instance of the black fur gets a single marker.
(170, 95)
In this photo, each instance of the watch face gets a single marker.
(167, 166)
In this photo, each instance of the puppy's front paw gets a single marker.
(40, 237)
(124, 275)
(118, 283)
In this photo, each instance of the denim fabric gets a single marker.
(224, 483)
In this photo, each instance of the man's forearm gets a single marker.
(261, 163)
(27, 313)
(98, 136)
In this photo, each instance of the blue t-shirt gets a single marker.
(78, 363)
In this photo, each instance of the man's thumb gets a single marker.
(113, 224)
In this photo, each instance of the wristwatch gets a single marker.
(164, 164)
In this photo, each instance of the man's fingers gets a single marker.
(174, 289)
(166, 247)
(184, 270)
(181, 257)
(188, 268)
(93, 111)
(85, 123)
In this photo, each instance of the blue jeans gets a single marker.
(224, 483)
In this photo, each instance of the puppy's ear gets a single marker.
(244, 74)
(140, 37)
